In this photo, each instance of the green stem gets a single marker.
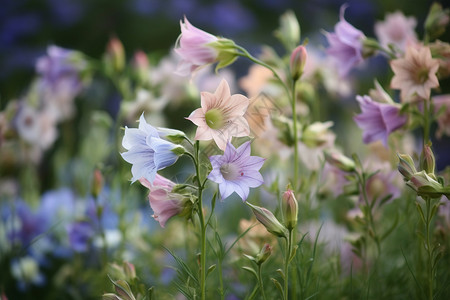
(426, 120)
(260, 281)
(429, 250)
(202, 225)
(99, 212)
(286, 264)
(363, 182)
(294, 121)
(245, 53)
(219, 267)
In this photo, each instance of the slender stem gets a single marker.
(202, 224)
(429, 250)
(294, 121)
(426, 120)
(286, 264)
(245, 53)
(219, 267)
(99, 213)
(363, 182)
(261, 285)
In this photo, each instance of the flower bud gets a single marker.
(172, 135)
(141, 66)
(264, 254)
(290, 209)
(269, 221)
(427, 161)
(297, 62)
(289, 31)
(340, 161)
(436, 21)
(406, 166)
(97, 183)
(115, 54)
(129, 270)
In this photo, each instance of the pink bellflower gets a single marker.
(193, 48)
(378, 120)
(345, 45)
(236, 171)
(164, 203)
(221, 116)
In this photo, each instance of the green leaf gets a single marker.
(278, 286)
(419, 209)
(210, 270)
(251, 270)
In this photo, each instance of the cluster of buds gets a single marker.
(424, 182)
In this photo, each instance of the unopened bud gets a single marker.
(406, 166)
(129, 270)
(97, 183)
(115, 54)
(437, 19)
(266, 218)
(290, 209)
(141, 65)
(264, 254)
(172, 135)
(340, 161)
(297, 62)
(289, 30)
(427, 161)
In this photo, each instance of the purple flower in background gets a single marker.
(193, 48)
(30, 224)
(80, 233)
(378, 120)
(236, 171)
(60, 80)
(147, 152)
(345, 45)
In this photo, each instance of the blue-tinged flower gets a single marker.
(147, 152)
(80, 234)
(378, 120)
(236, 171)
(346, 45)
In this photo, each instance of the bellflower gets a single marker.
(164, 203)
(193, 48)
(147, 152)
(378, 120)
(396, 30)
(236, 171)
(221, 116)
(345, 45)
(415, 73)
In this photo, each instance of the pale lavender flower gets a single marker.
(60, 80)
(193, 48)
(236, 171)
(396, 30)
(378, 120)
(345, 45)
(147, 152)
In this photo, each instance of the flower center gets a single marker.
(214, 118)
(229, 171)
(422, 75)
